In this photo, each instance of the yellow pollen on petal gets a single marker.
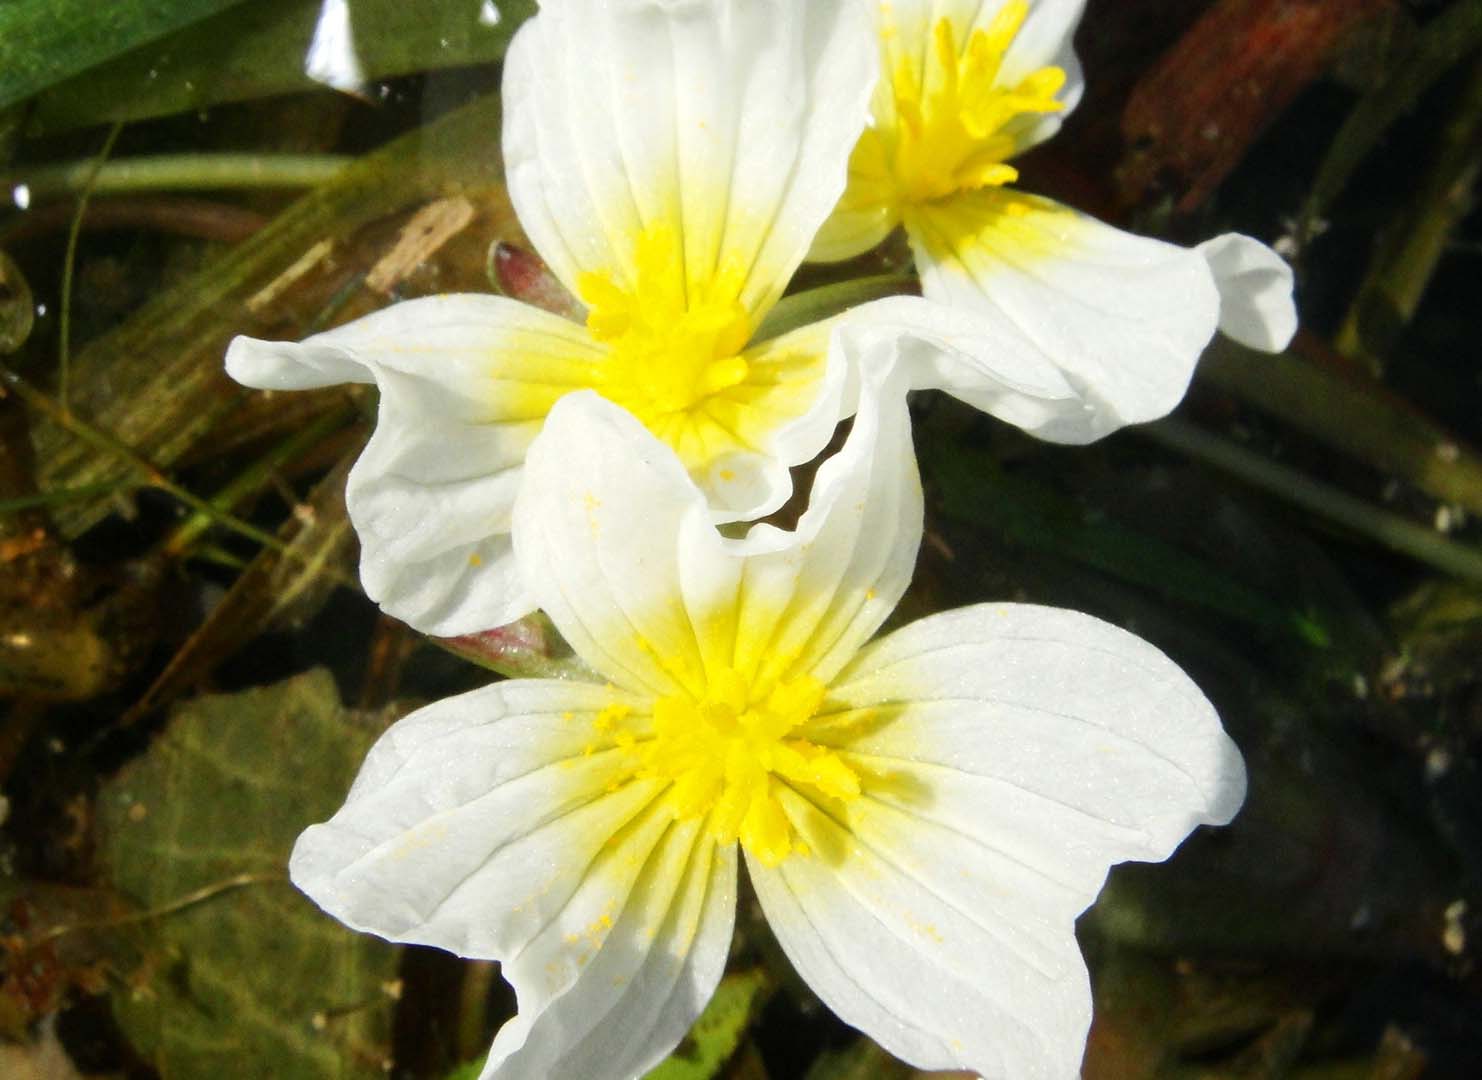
(953, 124)
(726, 756)
(672, 342)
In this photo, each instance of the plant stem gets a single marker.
(1390, 530)
(815, 305)
(1333, 401)
(148, 472)
(1417, 238)
(179, 172)
(49, 498)
(69, 262)
(255, 475)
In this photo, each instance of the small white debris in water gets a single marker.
(331, 59)
(21, 196)
(1437, 763)
(1454, 934)
(489, 14)
(40, 311)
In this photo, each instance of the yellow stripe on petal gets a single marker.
(989, 230)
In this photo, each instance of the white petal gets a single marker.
(935, 961)
(499, 824)
(1255, 284)
(617, 543)
(639, 994)
(729, 122)
(1008, 755)
(988, 364)
(332, 59)
(1062, 706)
(1125, 318)
(473, 820)
(286, 365)
(465, 383)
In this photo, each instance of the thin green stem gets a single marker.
(815, 305)
(69, 261)
(256, 475)
(51, 498)
(148, 472)
(1390, 530)
(179, 172)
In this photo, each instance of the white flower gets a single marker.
(966, 86)
(671, 160)
(923, 816)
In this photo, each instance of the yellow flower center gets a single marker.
(726, 755)
(952, 129)
(673, 342)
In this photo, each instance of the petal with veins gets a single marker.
(500, 824)
(727, 123)
(1255, 285)
(474, 820)
(1125, 318)
(1008, 755)
(617, 541)
(465, 382)
(988, 364)
(637, 995)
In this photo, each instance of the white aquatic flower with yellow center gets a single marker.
(923, 816)
(966, 86)
(671, 160)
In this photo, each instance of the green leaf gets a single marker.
(258, 49)
(718, 1032)
(469, 1070)
(45, 41)
(247, 977)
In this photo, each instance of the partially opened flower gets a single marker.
(671, 160)
(923, 817)
(966, 87)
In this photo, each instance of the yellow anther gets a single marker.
(673, 342)
(727, 757)
(954, 122)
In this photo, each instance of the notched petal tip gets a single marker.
(1227, 795)
(1255, 286)
(287, 365)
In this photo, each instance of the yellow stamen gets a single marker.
(953, 122)
(726, 755)
(673, 342)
